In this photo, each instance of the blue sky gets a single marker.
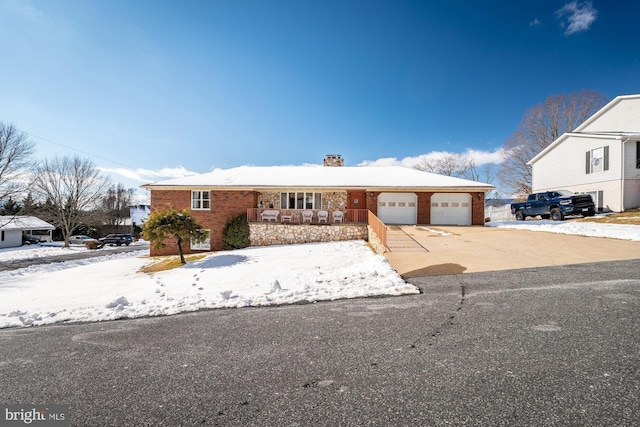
(150, 90)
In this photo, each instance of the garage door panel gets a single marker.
(451, 209)
(398, 208)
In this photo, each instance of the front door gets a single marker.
(356, 199)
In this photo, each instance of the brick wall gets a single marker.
(477, 208)
(224, 206)
(424, 208)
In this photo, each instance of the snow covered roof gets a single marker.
(24, 223)
(322, 177)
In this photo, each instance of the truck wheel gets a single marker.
(556, 214)
(520, 216)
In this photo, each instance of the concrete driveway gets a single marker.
(438, 250)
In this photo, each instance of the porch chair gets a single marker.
(307, 216)
(323, 216)
(337, 216)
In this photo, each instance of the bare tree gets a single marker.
(72, 188)
(449, 164)
(114, 205)
(15, 159)
(541, 125)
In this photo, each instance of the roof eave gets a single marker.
(460, 189)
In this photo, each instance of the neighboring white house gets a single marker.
(13, 227)
(139, 214)
(601, 157)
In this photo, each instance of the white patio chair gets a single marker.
(323, 216)
(307, 216)
(337, 216)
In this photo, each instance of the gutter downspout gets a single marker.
(622, 169)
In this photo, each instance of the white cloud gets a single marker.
(149, 175)
(480, 158)
(535, 23)
(580, 16)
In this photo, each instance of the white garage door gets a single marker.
(451, 208)
(398, 208)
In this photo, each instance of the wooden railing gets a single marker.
(350, 216)
(378, 227)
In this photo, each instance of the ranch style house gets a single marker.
(299, 204)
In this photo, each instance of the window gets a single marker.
(637, 154)
(202, 246)
(455, 204)
(434, 204)
(392, 204)
(382, 204)
(200, 200)
(300, 200)
(401, 204)
(444, 204)
(412, 204)
(2, 236)
(597, 160)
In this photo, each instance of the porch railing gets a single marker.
(295, 216)
(378, 227)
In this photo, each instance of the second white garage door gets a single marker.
(451, 208)
(398, 208)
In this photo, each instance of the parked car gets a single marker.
(117, 239)
(81, 239)
(554, 205)
(30, 240)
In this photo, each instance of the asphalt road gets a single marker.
(550, 346)
(23, 263)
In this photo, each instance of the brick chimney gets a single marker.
(333, 160)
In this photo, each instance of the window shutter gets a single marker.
(606, 158)
(588, 169)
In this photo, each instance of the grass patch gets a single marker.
(631, 217)
(169, 263)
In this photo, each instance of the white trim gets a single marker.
(201, 200)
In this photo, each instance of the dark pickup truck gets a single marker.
(554, 205)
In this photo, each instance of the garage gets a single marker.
(398, 208)
(451, 209)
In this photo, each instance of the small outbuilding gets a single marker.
(13, 228)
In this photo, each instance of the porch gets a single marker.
(289, 226)
(308, 216)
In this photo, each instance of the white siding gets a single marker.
(622, 116)
(565, 165)
(12, 238)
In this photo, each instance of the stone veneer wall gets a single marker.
(375, 242)
(267, 234)
(334, 200)
(269, 199)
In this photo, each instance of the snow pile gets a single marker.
(590, 229)
(113, 287)
(46, 250)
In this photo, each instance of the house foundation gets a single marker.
(267, 234)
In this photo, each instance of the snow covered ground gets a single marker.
(592, 229)
(112, 287)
